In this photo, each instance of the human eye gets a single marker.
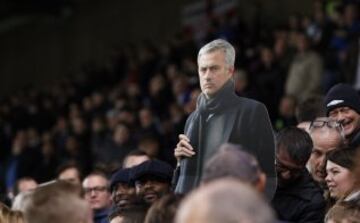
(316, 153)
(332, 114)
(203, 69)
(334, 172)
(214, 68)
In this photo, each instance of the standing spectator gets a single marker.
(240, 120)
(298, 198)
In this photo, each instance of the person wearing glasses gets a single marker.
(343, 104)
(96, 190)
(327, 134)
(298, 198)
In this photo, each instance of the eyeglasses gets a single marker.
(293, 171)
(328, 123)
(95, 189)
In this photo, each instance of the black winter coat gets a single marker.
(303, 201)
(227, 118)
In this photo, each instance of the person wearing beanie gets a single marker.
(152, 180)
(343, 104)
(122, 188)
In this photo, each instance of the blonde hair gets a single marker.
(9, 216)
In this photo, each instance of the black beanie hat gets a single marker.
(342, 95)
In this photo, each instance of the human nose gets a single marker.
(322, 162)
(148, 184)
(93, 193)
(340, 117)
(328, 178)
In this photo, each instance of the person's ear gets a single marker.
(260, 185)
(232, 70)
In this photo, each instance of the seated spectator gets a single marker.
(164, 209)
(298, 198)
(24, 184)
(341, 179)
(224, 201)
(152, 180)
(96, 189)
(70, 172)
(135, 158)
(10, 216)
(231, 161)
(57, 202)
(326, 135)
(343, 104)
(122, 189)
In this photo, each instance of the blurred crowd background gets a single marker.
(140, 97)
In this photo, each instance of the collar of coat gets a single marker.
(221, 100)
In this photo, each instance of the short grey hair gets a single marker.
(219, 44)
(225, 201)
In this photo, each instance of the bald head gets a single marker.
(225, 201)
(325, 139)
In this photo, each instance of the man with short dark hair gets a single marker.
(70, 172)
(298, 198)
(152, 180)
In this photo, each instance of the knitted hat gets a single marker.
(342, 95)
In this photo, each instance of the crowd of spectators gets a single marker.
(138, 102)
